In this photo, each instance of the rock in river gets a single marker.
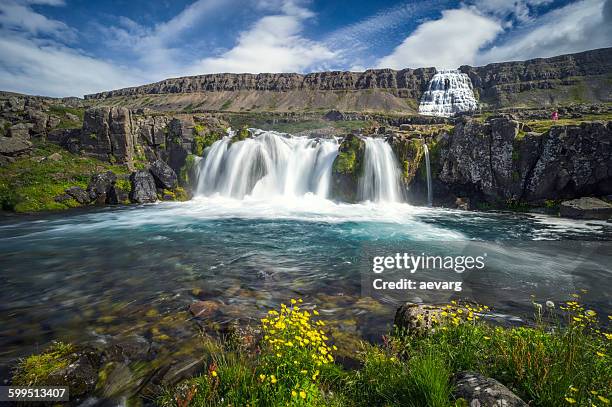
(586, 208)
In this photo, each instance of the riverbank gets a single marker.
(436, 356)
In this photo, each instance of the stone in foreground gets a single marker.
(586, 208)
(481, 391)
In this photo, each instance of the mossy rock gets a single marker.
(61, 364)
(187, 174)
(242, 134)
(347, 168)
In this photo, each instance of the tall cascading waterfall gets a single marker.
(449, 92)
(381, 179)
(428, 168)
(268, 164)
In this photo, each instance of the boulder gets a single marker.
(100, 187)
(20, 130)
(463, 203)
(586, 208)
(204, 309)
(79, 195)
(481, 391)
(55, 157)
(143, 187)
(13, 146)
(165, 177)
(416, 318)
(72, 117)
(39, 119)
(80, 375)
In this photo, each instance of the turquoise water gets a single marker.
(86, 275)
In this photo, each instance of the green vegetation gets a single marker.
(226, 104)
(36, 370)
(241, 134)
(187, 172)
(560, 360)
(30, 184)
(348, 160)
(542, 126)
(65, 121)
(203, 138)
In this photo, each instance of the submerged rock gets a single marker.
(586, 208)
(481, 391)
(164, 176)
(204, 309)
(143, 187)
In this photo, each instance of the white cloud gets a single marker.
(54, 70)
(273, 44)
(35, 60)
(580, 26)
(17, 16)
(448, 42)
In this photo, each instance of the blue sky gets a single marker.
(74, 47)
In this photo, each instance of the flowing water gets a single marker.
(428, 169)
(260, 233)
(380, 181)
(268, 164)
(449, 92)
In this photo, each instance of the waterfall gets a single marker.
(449, 92)
(266, 165)
(428, 168)
(381, 179)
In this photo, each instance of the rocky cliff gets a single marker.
(581, 77)
(502, 162)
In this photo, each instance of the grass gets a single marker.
(542, 126)
(65, 122)
(562, 359)
(28, 185)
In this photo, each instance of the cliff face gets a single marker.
(576, 78)
(572, 77)
(502, 161)
(407, 83)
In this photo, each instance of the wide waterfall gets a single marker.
(381, 179)
(266, 165)
(449, 92)
(271, 164)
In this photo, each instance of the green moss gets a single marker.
(36, 370)
(242, 134)
(187, 171)
(203, 138)
(348, 161)
(30, 186)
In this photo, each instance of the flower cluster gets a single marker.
(294, 350)
(455, 314)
